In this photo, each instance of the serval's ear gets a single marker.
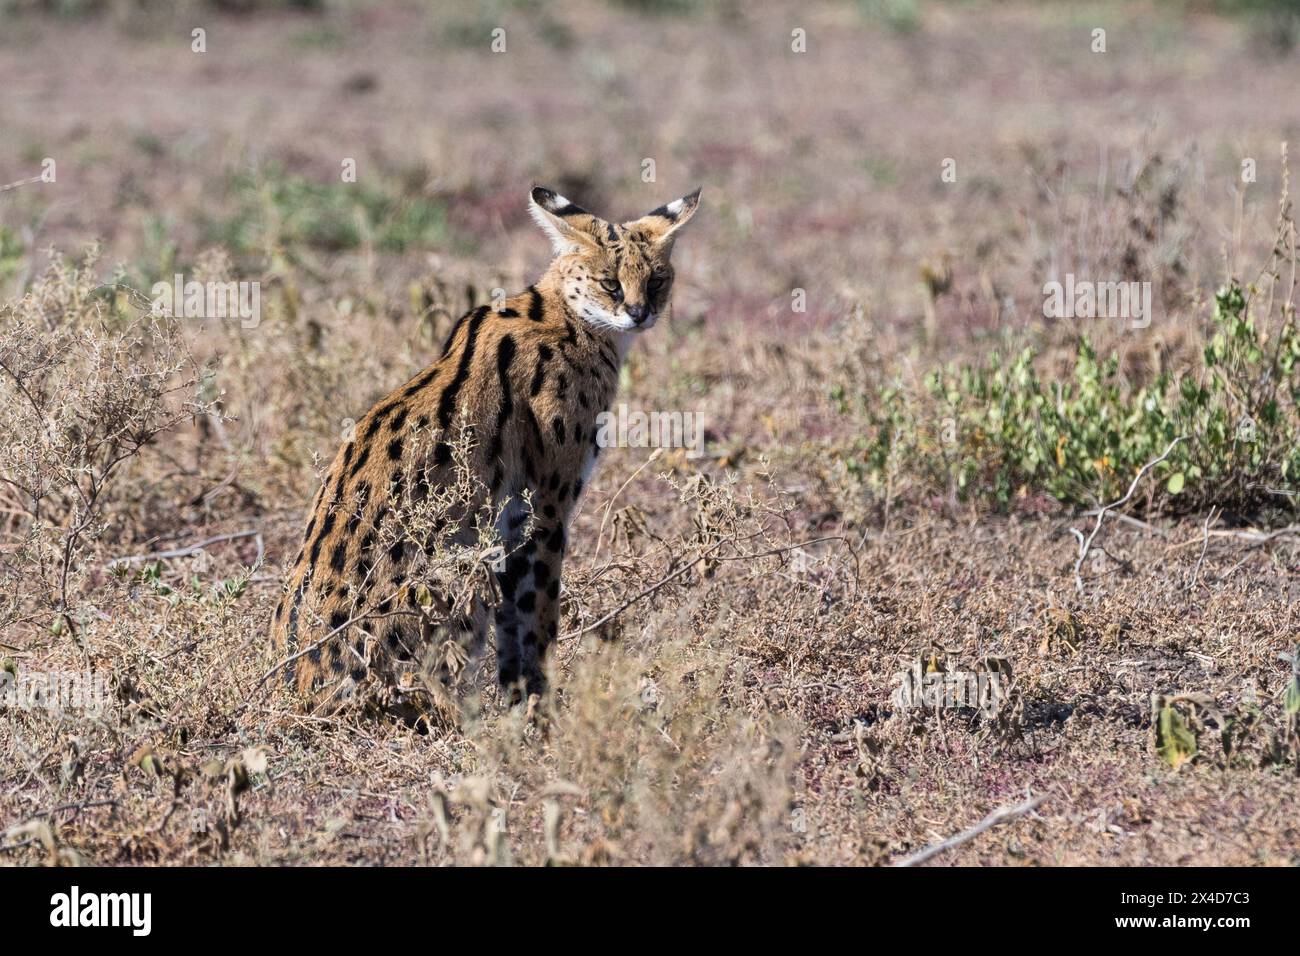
(661, 224)
(567, 225)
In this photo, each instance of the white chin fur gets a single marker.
(601, 319)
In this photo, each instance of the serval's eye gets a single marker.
(657, 281)
(612, 287)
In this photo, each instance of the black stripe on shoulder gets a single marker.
(423, 379)
(470, 316)
(451, 336)
(539, 373)
(377, 419)
(447, 403)
(505, 356)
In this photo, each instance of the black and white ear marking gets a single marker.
(679, 210)
(670, 217)
(565, 223)
(556, 204)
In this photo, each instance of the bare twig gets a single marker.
(76, 808)
(189, 550)
(1085, 544)
(600, 535)
(1253, 539)
(1130, 520)
(22, 182)
(1205, 544)
(1000, 815)
(682, 570)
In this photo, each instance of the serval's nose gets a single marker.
(637, 313)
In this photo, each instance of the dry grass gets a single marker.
(735, 622)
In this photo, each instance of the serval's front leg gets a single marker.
(528, 606)
(543, 601)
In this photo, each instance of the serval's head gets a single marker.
(616, 276)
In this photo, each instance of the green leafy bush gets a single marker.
(995, 430)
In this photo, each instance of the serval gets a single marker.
(526, 378)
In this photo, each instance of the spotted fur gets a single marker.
(527, 377)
